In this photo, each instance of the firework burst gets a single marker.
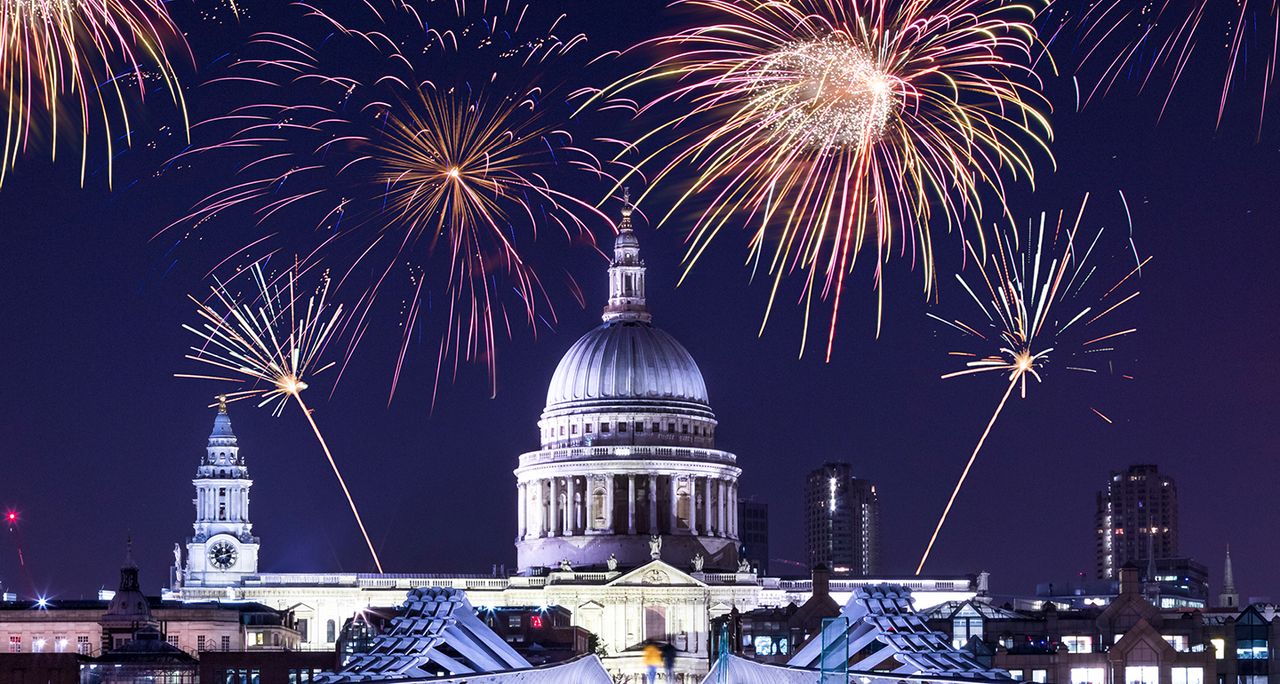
(422, 158)
(270, 345)
(827, 127)
(68, 67)
(1167, 41)
(1040, 302)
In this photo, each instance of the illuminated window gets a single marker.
(1177, 641)
(1142, 674)
(1088, 675)
(1219, 648)
(15, 643)
(1078, 644)
(37, 644)
(513, 620)
(82, 645)
(535, 621)
(1188, 675)
(764, 646)
(1251, 636)
(1040, 676)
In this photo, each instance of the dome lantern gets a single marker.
(626, 273)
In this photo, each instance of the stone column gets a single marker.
(675, 521)
(522, 522)
(579, 505)
(722, 510)
(555, 507)
(608, 503)
(732, 503)
(707, 506)
(653, 504)
(631, 504)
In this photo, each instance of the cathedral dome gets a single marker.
(624, 360)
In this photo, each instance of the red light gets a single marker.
(12, 516)
(535, 621)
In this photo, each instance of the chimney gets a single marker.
(821, 580)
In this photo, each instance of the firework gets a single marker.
(70, 66)
(271, 345)
(830, 126)
(1166, 41)
(1034, 294)
(421, 155)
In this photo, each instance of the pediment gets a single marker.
(1143, 634)
(656, 574)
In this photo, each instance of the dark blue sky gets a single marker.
(97, 439)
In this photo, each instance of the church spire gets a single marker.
(1228, 598)
(626, 273)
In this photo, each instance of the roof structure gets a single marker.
(438, 638)
(581, 670)
(884, 614)
(950, 609)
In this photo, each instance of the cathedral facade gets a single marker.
(626, 514)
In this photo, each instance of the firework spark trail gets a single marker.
(830, 128)
(1026, 281)
(426, 151)
(65, 67)
(267, 342)
(1160, 40)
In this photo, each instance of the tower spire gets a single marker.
(626, 273)
(1228, 598)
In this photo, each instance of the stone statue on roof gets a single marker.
(655, 547)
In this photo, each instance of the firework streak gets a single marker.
(1025, 284)
(1161, 40)
(827, 127)
(68, 67)
(419, 156)
(273, 345)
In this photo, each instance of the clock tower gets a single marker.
(223, 548)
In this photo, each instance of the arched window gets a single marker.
(330, 631)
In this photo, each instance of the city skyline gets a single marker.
(100, 441)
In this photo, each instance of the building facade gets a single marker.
(1128, 641)
(1136, 520)
(842, 521)
(753, 533)
(627, 516)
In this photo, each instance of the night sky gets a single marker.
(99, 441)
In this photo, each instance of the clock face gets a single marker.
(222, 555)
